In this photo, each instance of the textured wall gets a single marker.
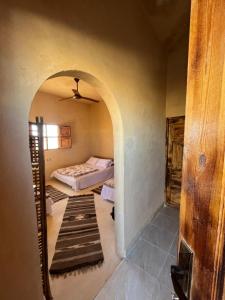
(113, 41)
(177, 79)
(101, 131)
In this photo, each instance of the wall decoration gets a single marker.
(65, 137)
(66, 142)
(65, 131)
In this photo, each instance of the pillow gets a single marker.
(92, 161)
(103, 163)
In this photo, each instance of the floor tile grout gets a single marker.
(161, 228)
(167, 256)
(154, 278)
(154, 245)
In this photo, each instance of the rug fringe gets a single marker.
(81, 270)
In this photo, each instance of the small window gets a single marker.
(50, 134)
(33, 130)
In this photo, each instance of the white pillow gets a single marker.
(92, 161)
(103, 163)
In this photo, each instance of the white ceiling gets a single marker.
(62, 87)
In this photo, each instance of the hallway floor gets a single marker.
(145, 274)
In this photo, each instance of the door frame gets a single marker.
(202, 209)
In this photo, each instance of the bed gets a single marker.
(93, 171)
(107, 192)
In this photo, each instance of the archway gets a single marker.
(113, 109)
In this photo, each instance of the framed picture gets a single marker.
(66, 142)
(65, 131)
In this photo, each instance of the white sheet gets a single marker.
(107, 193)
(87, 180)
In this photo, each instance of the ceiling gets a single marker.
(62, 87)
(169, 19)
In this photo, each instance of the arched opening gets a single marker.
(113, 110)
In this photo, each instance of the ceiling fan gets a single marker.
(76, 95)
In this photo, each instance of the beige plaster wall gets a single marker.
(177, 79)
(101, 131)
(76, 115)
(114, 42)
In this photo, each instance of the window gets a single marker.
(51, 137)
(50, 134)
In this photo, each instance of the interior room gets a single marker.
(127, 91)
(89, 136)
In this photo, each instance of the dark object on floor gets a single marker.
(113, 213)
(98, 190)
(78, 245)
(54, 194)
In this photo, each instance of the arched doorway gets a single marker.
(118, 147)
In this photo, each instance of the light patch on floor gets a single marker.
(83, 286)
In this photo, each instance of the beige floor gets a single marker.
(83, 286)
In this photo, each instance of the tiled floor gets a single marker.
(145, 274)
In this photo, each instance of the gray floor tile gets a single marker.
(164, 276)
(161, 292)
(159, 237)
(170, 211)
(148, 257)
(128, 282)
(173, 249)
(166, 222)
(145, 275)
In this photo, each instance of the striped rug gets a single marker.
(78, 243)
(54, 194)
(98, 190)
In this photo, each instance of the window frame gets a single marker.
(45, 135)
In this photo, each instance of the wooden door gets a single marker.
(202, 218)
(174, 159)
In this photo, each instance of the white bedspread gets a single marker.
(77, 170)
(84, 181)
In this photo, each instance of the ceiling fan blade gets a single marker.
(62, 99)
(89, 99)
(77, 82)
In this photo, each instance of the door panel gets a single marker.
(202, 215)
(175, 144)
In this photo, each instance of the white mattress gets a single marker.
(87, 180)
